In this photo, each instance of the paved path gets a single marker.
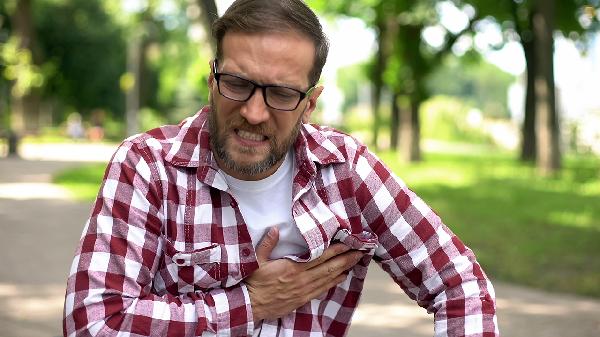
(40, 227)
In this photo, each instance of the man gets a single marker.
(246, 221)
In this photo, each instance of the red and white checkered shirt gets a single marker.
(166, 250)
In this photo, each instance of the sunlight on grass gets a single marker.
(524, 228)
(573, 219)
(83, 182)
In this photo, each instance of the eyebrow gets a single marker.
(286, 85)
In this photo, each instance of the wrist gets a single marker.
(256, 309)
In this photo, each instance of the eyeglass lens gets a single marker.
(240, 89)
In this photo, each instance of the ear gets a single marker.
(211, 76)
(311, 105)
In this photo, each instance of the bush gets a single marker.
(448, 118)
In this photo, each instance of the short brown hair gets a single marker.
(258, 16)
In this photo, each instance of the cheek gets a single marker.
(226, 108)
(286, 125)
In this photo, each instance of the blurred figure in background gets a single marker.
(75, 129)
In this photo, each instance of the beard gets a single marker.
(219, 135)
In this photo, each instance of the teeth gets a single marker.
(250, 136)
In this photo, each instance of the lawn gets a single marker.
(542, 232)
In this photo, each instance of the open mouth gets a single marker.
(251, 136)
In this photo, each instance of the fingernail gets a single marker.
(272, 231)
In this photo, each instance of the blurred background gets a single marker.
(489, 110)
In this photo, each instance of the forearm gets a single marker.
(95, 312)
(468, 310)
(423, 256)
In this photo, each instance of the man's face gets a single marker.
(250, 139)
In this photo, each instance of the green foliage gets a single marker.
(83, 45)
(179, 64)
(480, 83)
(524, 228)
(574, 18)
(446, 118)
(114, 128)
(182, 69)
(18, 67)
(88, 50)
(350, 80)
(150, 119)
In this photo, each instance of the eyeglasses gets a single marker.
(240, 89)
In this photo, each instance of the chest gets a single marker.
(206, 239)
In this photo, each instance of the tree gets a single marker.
(85, 49)
(530, 21)
(481, 84)
(384, 28)
(208, 16)
(20, 58)
(404, 60)
(547, 132)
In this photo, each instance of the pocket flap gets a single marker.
(204, 255)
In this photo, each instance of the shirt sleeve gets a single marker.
(422, 255)
(110, 284)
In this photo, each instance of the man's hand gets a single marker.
(280, 286)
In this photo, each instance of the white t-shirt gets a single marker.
(268, 202)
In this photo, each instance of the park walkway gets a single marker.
(41, 225)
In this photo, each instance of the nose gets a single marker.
(255, 110)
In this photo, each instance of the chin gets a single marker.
(248, 163)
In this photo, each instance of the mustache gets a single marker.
(242, 124)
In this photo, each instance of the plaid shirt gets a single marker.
(166, 250)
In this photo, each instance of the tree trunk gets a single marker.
(24, 108)
(377, 86)
(208, 15)
(410, 131)
(528, 144)
(135, 55)
(383, 25)
(413, 83)
(548, 149)
(395, 121)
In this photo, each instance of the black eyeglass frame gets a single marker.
(263, 88)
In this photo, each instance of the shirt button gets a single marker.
(180, 262)
(246, 252)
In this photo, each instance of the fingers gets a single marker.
(325, 287)
(266, 245)
(332, 268)
(331, 251)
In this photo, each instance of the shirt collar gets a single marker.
(191, 146)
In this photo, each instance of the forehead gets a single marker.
(271, 57)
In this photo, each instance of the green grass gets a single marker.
(542, 232)
(83, 182)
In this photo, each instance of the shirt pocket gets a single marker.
(192, 270)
